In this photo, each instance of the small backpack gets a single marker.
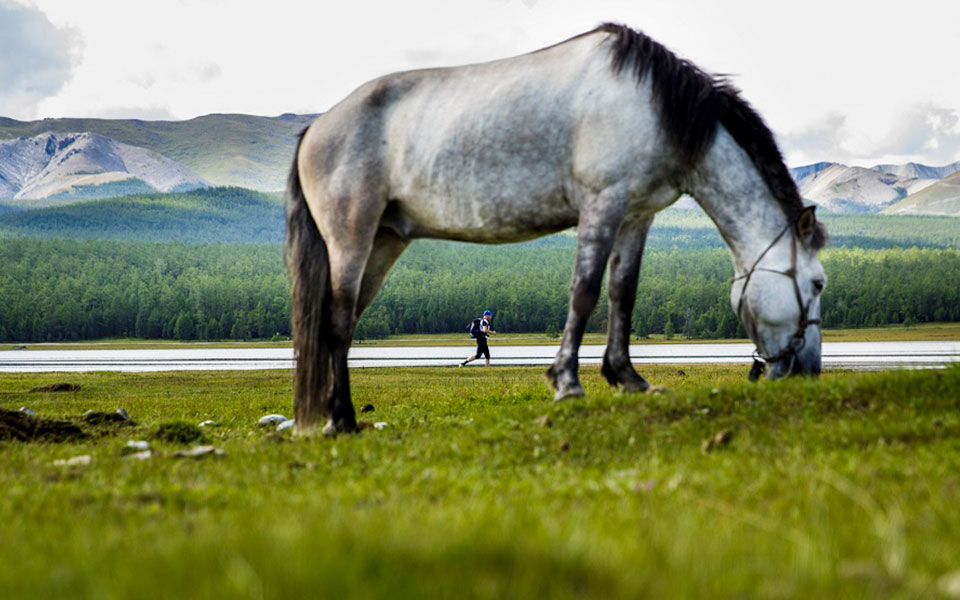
(474, 328)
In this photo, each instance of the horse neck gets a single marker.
(732, 192)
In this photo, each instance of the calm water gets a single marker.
(858, 355)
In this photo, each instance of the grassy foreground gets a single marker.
(480, 486)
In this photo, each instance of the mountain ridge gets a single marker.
(851, 189)
(52, 165)
(941, 198)
(223, 148)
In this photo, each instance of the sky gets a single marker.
(848, 81)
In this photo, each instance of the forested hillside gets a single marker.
(693, 229)
(234, 215)
(62, 290)
(241, 215)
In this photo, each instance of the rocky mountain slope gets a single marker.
(918, 171)
(239, 150)
(844, 189)
(941, 198)
(71, 166)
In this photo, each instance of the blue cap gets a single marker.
(487, 313)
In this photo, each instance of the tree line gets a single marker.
(52, 290)
(238, 215)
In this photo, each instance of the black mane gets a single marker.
(692, 103)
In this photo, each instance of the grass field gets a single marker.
(894, 333)
(480, 486)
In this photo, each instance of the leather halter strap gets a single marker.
(798, 339)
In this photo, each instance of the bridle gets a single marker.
(799, 337)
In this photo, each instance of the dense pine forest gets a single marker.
(73, 289)
(208, 265)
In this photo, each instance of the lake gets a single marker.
(856, 355)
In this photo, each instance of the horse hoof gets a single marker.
(637, 387)
(570, 392)
(332, 429)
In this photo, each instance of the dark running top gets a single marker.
(483, 335)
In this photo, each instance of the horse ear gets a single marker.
(807, 224)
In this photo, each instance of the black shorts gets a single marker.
(482, 348)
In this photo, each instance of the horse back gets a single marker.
(497, 151)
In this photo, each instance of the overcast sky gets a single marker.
(854, 82)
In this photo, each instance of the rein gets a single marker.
(799, 337)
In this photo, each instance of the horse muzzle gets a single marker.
(806, 361)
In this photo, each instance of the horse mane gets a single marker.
(692, 103)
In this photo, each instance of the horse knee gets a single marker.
(343, 322)
(584, 296)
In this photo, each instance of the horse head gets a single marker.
(778, 300)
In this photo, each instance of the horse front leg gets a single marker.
(599, 222)
(623, 273)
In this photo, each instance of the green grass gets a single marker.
(844, 486)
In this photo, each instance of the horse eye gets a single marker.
(818, 285)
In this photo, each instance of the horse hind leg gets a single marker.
(387, 248)
(348, 263)
(622, 277)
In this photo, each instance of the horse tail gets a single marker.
(308, 266)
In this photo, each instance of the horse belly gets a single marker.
(495, 214)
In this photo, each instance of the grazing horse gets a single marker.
(599, 132)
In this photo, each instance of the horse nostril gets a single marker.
(818, 285)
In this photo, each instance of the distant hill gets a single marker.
(844, 189)
(232, 215)
(941, 198)
(73, 166)
(918, 171)
(223, 149)
(235, 215)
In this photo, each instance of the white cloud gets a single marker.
(145, 113)
(36, 59)
(822, 140)
(799, 65)
(924, 132)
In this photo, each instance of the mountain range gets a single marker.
(941, 198)
(75, 166)
(900, 189)
(221, 149)
(56, 161)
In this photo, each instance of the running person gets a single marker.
(482, 335)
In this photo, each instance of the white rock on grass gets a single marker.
(145, 455)
(286, 424)
(380, 425)
(138, 445)
(200, 452)
(77, 461)
(949, 584)
(27, 411)
(272, 419)
(123, 413)
(209, 424)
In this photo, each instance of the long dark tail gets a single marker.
(309, 269)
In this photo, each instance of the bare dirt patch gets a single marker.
(20, 426)
(57, 387)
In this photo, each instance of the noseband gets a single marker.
(799, 337)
